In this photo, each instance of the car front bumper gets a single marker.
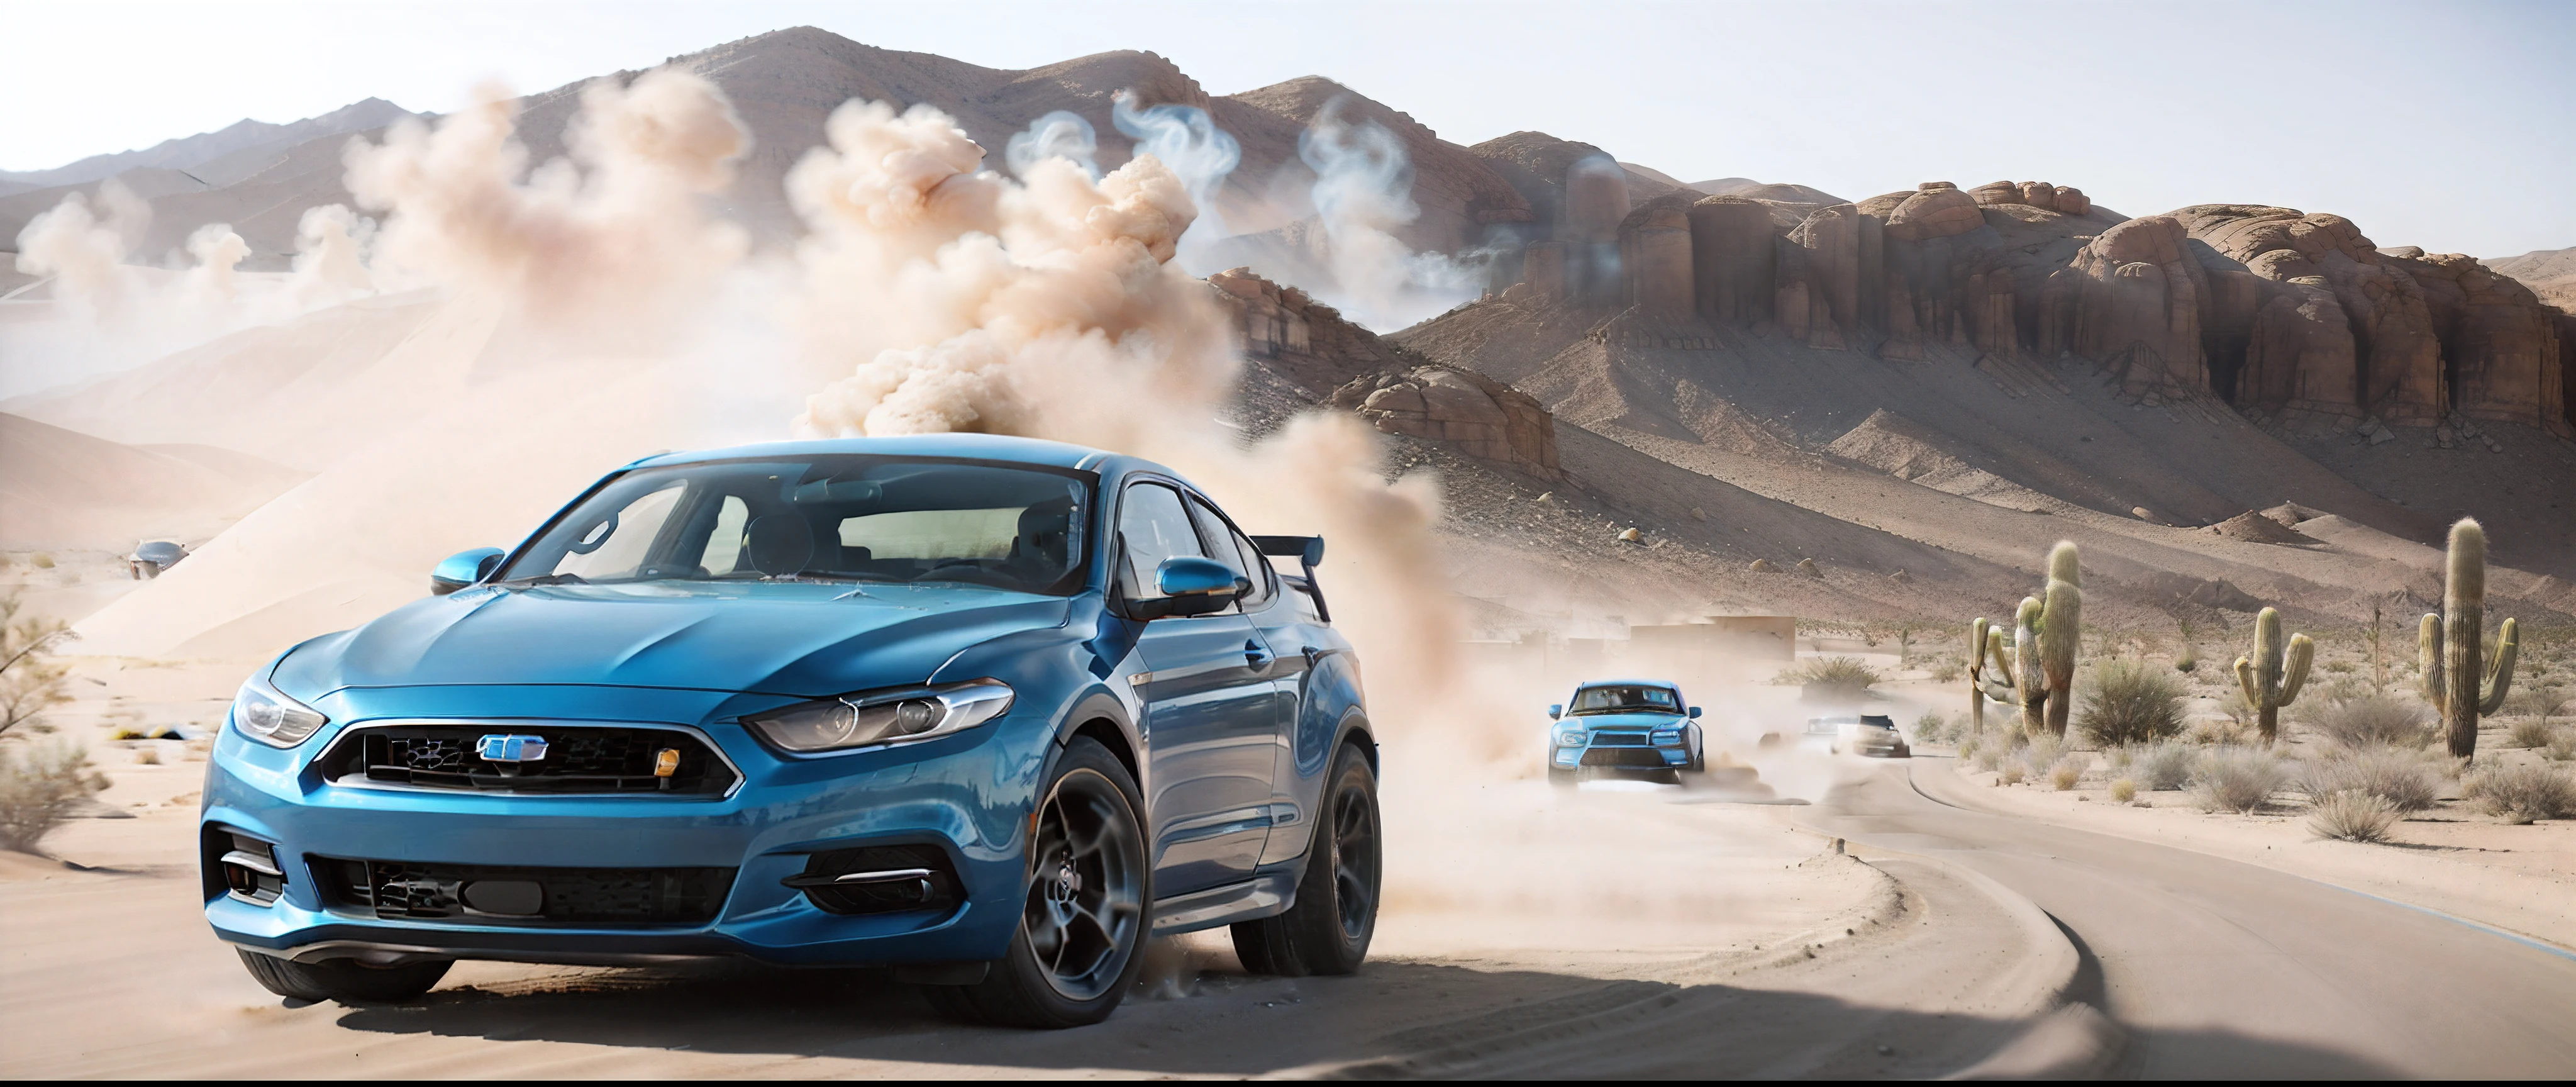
(967, 795)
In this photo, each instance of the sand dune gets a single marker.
(64, 489)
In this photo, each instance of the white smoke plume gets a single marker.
(331, 256)
(212, 284)
(1364, 193)
(1061, 134)
(1188, 142)
(85, 251)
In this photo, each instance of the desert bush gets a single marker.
(2539, 700)
(2166, 765)
(2068, 770)
(1990, 758)
(2118, 759)
(2123, 790)
(2520, 794)
(1967, 748)
(2562, 747)
(2126, 702)
(2236, 779)
(2338, 667)
(43, 561)
(2217, 732)
(2402, 778)
(2370, 720)
(2528, 732)
(2040, 755)
(38, 787)
(1838, 674)
(1929, 728)
(2352, 816)
(2012, 773)
(30, 682)
(1947, 671)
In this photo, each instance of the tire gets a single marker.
(1327, 931)
(344, 980)
(1083, 919)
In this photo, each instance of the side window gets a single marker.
(1233, 550)
(1152, 526)
(619, 545)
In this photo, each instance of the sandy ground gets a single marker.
(1609, 896)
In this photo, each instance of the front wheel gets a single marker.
(1083, 920)
(1327, 931)
(344, 980)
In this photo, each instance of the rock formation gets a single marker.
(1484, 418)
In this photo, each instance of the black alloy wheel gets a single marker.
(1328, 930)
(1082, 922)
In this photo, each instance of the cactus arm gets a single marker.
(2500, 679)
(2249, 683)
(2302, 652)
(1977, 651)
(2428, 648)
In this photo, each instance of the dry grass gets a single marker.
(2370, 720)
(2352, 816)
(2123, 790)
(2068, 771)
(2012, 773)
(1930, 728)
(39, 784)
(2402, 778)
(2236, 779)
(2165, 765)
(1849, 675)
(2127, 702)
(2530, 732)
(2521, 794)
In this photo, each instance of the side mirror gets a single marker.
(462, 569)
(1694, 712)
(1192, 586)
(1556, 711)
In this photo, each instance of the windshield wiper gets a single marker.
(545, 579)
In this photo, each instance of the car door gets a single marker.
(1210, 716)
(1299, 742)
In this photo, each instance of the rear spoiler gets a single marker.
(1309, 552)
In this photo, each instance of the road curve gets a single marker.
(2216, 968)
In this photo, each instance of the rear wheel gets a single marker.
(1083, 919)
(1328, 930)
(344, 980)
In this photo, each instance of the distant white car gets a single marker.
(1861, 734)
(153, 556)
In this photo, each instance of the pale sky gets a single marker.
(2449, 126)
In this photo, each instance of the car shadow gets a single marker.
(1392, 1019)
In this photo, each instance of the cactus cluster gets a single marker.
(2272, 676)
(2038, 672)
(2450, 645)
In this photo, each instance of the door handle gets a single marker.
(1256, 656)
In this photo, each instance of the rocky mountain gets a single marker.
(2550, 273)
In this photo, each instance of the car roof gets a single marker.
(997, 447)
(1590, 683)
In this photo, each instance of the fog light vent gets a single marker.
(878, 879)
(249, 868)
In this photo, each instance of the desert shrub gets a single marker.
(2118, 759)
(2012, 773)
(2562, 747)
(1929, 728)
(2127, 702)
(2371, 720)
(43, 561)
(1968, 748)
(2123, 790)
(1947, 671)
(2218, 732)
(2040, 755)
(1848, 675)
(2068, 770)
(39, 784)
(2352, 816)
(2236, 779)
(2405, 780)
(2186, 663)
(2520, 794)
(2540, 700)
(2338, 667)
(2529, 732)
(2166, 765)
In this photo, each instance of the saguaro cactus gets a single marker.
(2271, 678)
(2450, 645)
(1986, 642)
(2039, 671)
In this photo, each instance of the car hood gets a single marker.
(1627, 720)
(809, 640)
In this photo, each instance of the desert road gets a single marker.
(2212, 968)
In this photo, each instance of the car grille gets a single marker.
(406, 890)
(1623, 756)
(1618, 739)
(578, 759)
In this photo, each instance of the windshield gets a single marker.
(836, 517)
(1626, 699)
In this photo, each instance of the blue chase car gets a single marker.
(985, 710)
(1624, 725)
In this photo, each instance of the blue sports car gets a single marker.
(1624, 724)
(985, 710)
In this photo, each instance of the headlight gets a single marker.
(263, 714)
(883, 717)
(1665, 736)
(1570, 738)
